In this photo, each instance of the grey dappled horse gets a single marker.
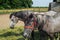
(48, 22)
(52, 25)
(16, 16)
(22, 16)
(29, 30)
(33, 21)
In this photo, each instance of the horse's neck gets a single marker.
(55, 18)
(52, 20)
(56, 15)
(38, 19)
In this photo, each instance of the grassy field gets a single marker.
(7, 11)
(17, 33)
(11, 34)
(14, 34)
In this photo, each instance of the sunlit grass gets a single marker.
(15, 34)
(11, 34)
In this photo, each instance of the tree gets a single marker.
(8, 4)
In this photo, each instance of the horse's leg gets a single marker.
(29, 39)
(43, 35)
(51, 38)
(32, 35)
(59, 35)
(56, 36)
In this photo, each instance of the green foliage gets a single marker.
(13, 4)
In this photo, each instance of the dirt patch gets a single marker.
(5, 21)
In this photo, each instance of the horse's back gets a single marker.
(53, 24)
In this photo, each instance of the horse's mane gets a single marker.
(56, 15)
(13, 14)
(53, 14)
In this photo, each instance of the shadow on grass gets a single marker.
(10, 34)
(21, 39)
(41, 35)
(36, 36)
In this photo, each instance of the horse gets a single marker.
(20, 16)
(31, 23)
(51, 25)
(29, 30)
(46, 22)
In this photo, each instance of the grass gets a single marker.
(11, 34)
(15, 34)
(7, 11)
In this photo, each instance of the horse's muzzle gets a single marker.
(26, 35)
(12, 27)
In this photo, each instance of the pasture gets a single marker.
(7, 11)
(17, 33)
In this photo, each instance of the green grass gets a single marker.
(7, 11)
(17, 32)
(14, 34)
(11, 34)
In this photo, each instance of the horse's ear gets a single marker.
(12, 14)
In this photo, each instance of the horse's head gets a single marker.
(37, 20)
(21, 15)
(34, 20)
(13, 21)
(29, 26)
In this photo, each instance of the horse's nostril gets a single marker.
(12, 27)
(25, 34)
